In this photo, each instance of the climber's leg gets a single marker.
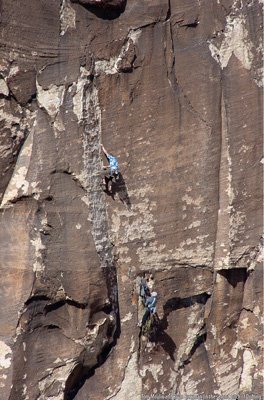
(109, 185)
(106, 178)
(145, 317)
(116, 175)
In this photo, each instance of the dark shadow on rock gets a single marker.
(86, 366)
(175, 303)
(164, 339)
(107, 10)
(234, 275)
(119, 188)
(198, 342)
(158, 336)
(82, 372)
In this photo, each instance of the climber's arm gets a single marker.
(104, 150)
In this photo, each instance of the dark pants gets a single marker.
(145, 317)
(107, 177)
(105, 173)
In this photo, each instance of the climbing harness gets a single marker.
(152, 305)
(151, 327)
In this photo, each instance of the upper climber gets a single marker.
(151, 302)
(111, 171)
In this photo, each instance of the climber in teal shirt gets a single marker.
(113, 169)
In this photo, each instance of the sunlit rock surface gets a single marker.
(174, 90)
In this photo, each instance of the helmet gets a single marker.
(154, 294)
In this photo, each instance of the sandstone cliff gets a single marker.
(173, 89)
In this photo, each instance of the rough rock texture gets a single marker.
(173, 89)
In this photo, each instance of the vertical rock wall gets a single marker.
(173, 89)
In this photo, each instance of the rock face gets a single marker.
(102, 3)
(173, 89)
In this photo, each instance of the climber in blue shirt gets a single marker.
(150, 307)
(112, 171)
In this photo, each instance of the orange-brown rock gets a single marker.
(173, 90)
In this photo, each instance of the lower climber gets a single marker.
(150, 308)
(111, 171)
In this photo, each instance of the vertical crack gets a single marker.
(91, 119)
(171, 73)
(97, 205)
(225, 195)
(168, 11)
(171, 68)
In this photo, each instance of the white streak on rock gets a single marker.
(85, 199)
(78, 97)
(127, 317)
(38, 247)
(110, 67)
(59, 375)
(194, 224)
(13, 70)
(134, 35)
(8, 118)
(5, 355)
(195, 326)
(67, 17)
(50, 99)
(58, 360)
(3, 87)
(155, 369)
(235, 41)
(187, 385)
(107, 67)
(18, 184)
(189, 200)
(3, 377)
(235, 349)
(131, 380)
(58, 125)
